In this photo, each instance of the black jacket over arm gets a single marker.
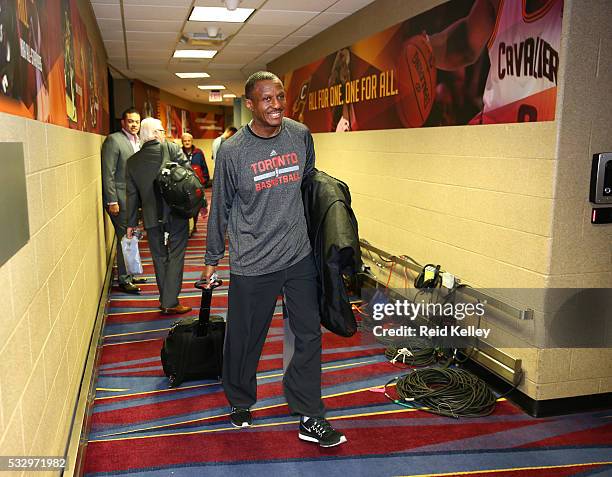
(334, 237)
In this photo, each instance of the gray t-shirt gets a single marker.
(257, 199)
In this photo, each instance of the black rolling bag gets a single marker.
(193, 348)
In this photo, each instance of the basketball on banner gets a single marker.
(417, 82)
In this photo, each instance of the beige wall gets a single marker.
(500, 206)
(581, 253)
(50, 289)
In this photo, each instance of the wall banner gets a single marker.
(49, 70)
(206, 125)
(146, 99)
(463, 62)
(177, 121)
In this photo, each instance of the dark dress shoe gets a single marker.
(175, 310)
(129, 288)
(139, 280)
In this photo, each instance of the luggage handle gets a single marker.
(215, 282)
(204, 315)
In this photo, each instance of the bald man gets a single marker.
(166, 232)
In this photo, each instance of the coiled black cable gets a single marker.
(450, 392)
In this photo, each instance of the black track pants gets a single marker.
(251, 303)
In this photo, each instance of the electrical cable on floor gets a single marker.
(450, 392)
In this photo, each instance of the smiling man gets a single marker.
(257, 200)
(116, 150)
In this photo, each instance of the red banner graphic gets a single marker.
(206, 125)
(463, 62)
(49, 70)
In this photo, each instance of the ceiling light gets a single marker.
(192, 75)
(231, 95)
(220, 14)
(194, 53)
(211, 86)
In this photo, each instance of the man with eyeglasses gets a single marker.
(116, 150)
(167, 233)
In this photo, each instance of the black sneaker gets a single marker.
(241, 417)
(317, 429)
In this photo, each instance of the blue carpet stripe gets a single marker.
(404, 465)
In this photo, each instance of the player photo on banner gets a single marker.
(23, 63)
(69, 65)
(463, 62)
(206, 125)
(146, 99)
(49, 70)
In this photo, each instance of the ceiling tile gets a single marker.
(158, 45)
(114, 49)
(153, 28)
(253, 67)
(218, 3)
(293, 40)
(328, 19)
(297, 5)
(219, 73)
(251, 51)
(349, 6)
(103, 10)
(112, 35)
(265, 58)
(266, 30)
(151, 36)
(157, 3)
(243, 39)
(280, 49)
(233, 57)
(154, 55)
(152, 61)
(139, 46)
(309, 30)
(175, 63)
(158, 13)
(153, 25)
(277, 17)
(106, 24)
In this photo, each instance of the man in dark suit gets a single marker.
(167, 233)
(116, 150)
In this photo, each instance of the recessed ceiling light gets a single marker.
(220, 14)
(211, 86)
(194, 53)
(192, 75)
(231, 95)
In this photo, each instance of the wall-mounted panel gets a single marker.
(14, 226)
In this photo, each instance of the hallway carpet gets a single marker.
(140, 427)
